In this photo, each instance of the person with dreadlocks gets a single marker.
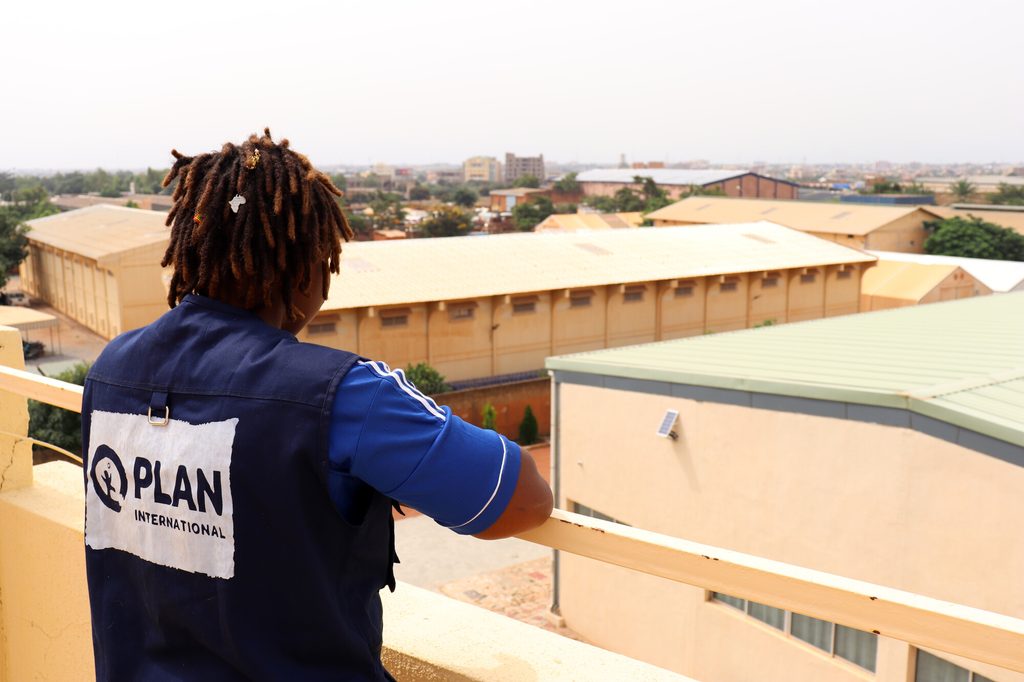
(239, 483)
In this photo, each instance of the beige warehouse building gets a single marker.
(99, 266)
(477, 307)
(884, 228)
(894, 284)
(886, 447)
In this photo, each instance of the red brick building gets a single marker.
(677, 181)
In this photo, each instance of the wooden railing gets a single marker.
(921, 621)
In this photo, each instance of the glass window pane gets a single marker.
(812, 631)
(857, 646)
(731, 601)
(768, 614)
(934, 669)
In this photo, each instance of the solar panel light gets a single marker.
(667, 422)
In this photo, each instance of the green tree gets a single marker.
(387, 211)
(340, 181)
(54, 425)
(426, 379)
(885, 187)
(25, 204)
(962, 190)
(626, 201)
(528, 428)
(528, 215)
(602, 204)
(465, 197)
(1012, 195)
(974, 238)
(490, 417)
(419, 193)
(526, 181)
(567, 184)
(447, 221)
(916, 188)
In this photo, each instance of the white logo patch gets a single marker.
(162, 493)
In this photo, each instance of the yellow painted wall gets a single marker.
(631, 321)
(726, 304)
(877, 503)
(767, 294)
(397, 346)
(682, 308)
(842, 290)
(578, 329)
(460, 347)
(806, 298)
(521, 340)
(906, 234)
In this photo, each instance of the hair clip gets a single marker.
(252, 159)
(237, 201)
(197, 218)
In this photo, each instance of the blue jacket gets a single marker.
(212, 550)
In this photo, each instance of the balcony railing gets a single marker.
(916, 619)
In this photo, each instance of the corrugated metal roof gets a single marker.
(662, 176)
(25, 319)
(589, 221)
(100, 231)
(452, 268)
(808, 216)
(1011, 219)
(904, 281)
(998, 275)
(961, 361)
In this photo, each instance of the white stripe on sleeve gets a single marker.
(497, 486)
(407, 387)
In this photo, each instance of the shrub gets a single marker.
(54, 425)
(528, 428)
(426, 379)
(490, 417)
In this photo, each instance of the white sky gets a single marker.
(117, 84)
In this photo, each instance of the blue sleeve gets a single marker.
(390, 436)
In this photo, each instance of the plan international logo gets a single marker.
(162, 494)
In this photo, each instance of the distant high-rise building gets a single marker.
(481, 169)
(518, 166)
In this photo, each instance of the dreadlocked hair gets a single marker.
(287, 224)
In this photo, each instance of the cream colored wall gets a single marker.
(521, 340)
(631, 322)
(842, 290)
(681, 316)
(958, 284)
(883, 504)
(460, 348)
(345, 335)
(906, 235)
(397, 346)
(806, 299)
(578, 329)
(726, 310)
(767, 303)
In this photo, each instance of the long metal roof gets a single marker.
(1011, 219)
(452, 268)
(101, 231)
(808, 216)
(961, 362)
(662, 176)
(903, 280)
(589, 221)
(998, 275)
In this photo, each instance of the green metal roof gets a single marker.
(961, 361)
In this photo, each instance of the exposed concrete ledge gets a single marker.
(428, 636)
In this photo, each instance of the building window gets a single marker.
(684, 291)
(394, 320)
(844, 274)
(461, 312)
(769, 282)
(934, 669)
(522, 308)
(808, 278)
(856, 646)
(583, 510)
(633, 294)
(726, 287)
(322, 328)
(580, 300)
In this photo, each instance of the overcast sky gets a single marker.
(117, 84)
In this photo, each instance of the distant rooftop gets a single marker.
(100, 231)
(998, 275)
(453, 268)
(905, 280)
(589, 221)
(662, 176)
(1005, 216)
(979, 180)
(960, 362)
(808, 216)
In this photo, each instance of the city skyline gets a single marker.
(410, 84)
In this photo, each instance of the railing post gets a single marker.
(15, 451)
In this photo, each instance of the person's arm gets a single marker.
(529, 507)
(393, 438)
